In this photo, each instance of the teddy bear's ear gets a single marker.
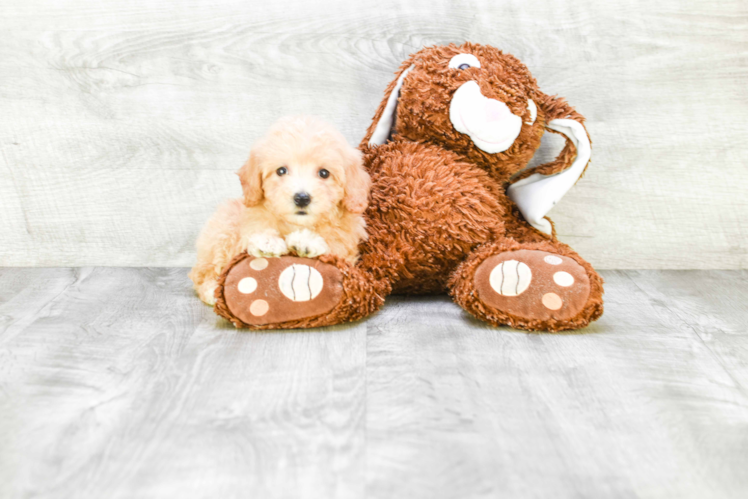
(381, 127)
(540, 188)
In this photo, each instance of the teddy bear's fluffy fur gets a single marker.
(268, 223)
(439, 207)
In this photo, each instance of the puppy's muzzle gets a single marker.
(302, 199)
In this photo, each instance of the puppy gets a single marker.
(305, 190)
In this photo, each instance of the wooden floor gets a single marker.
(117, 382)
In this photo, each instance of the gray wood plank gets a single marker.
(122, 124)
(118, 382)
(714, 306)
(123, 384)
(636, 405)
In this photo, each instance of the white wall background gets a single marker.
(122, 122)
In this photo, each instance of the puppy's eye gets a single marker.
(464, 61)
(324, 173)
(282, 171)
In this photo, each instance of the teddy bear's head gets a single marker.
(484, 105)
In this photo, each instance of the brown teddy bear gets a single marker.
(453, 208)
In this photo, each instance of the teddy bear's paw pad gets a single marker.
(262, 291)
(533, 285)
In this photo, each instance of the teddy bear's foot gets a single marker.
(293, 292)
(531, 289)
(532, 284)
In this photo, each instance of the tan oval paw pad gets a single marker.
(552, 301)
(259, 307)
(258, 264)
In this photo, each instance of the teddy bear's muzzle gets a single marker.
(489, 123)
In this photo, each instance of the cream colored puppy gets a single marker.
(305, 190)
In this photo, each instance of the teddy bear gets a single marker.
(453, 208)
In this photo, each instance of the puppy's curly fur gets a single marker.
(301, 160)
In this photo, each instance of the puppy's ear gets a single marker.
(250, 176)
(357, 183)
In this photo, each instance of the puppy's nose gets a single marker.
(302, 199)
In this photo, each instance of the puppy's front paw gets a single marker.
(206, 292)
(266, 245)
(305, 243)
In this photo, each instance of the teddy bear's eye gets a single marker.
(324, 173)
(464, 61)
(282, 171)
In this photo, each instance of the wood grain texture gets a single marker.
(122, 124)
(650, 401)
(118, 382)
